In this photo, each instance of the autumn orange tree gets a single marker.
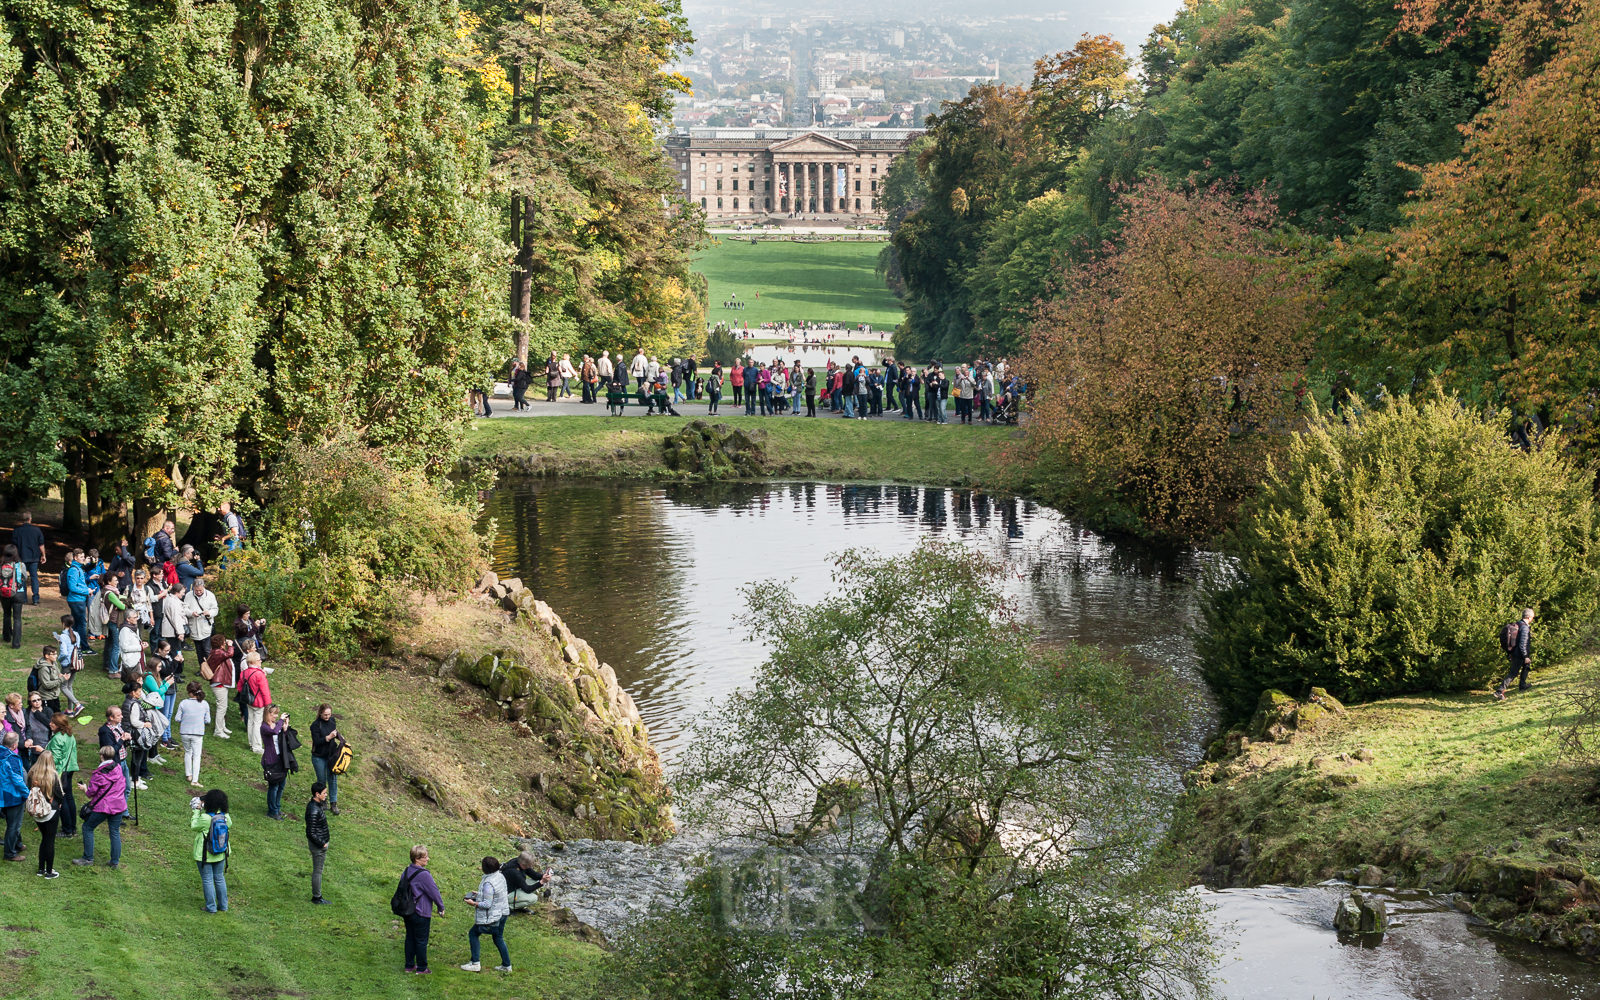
(1167, 375)
(1495, 283)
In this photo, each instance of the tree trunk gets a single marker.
(92, 480)
(521, 288)
(71, 510)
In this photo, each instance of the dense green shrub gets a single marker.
(348, 544)
(1382, 557)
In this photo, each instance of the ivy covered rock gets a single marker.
(716, 451)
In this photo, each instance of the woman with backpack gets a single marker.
(325, 744)
(45, 797)
(107, 795)
(13, 581)
(274, 759)
(63, 749)
(415, 901)
(211, 825)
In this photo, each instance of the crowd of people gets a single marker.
(154, 616)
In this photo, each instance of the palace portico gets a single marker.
(753, 174)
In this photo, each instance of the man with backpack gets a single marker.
(1516, 639)
(211, 824)
(317, 837)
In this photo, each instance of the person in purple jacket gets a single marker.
(425, 899)
(107, 793)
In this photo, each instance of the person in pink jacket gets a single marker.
(106, 794)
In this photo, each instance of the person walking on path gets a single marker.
(425, 898)
(490, 910)
(77, 591)
(519, 385)
(638, 367)
(106, 795)
(29, 541)
(274, 759)
(714, 389)
(217, 671)
(325, 743)
(63, 749)
(564, 370)
(13, 594)
(317, 837)
(260, 696)
(191, 717)
(13, 793)
(213, 829)
(1519, 651)
(45, 799)
(752, 380)
(736, 379)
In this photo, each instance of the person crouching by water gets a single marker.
(212, 826)
(424, 898)
(490, 910)
(524, 881)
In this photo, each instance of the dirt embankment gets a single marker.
(494, 711)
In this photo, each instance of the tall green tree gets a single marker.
(225, 227)
(584, 169)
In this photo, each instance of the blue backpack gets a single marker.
(150, 550)
(217, 839)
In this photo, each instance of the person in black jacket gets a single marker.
(519, 385)
(325, 743)
(317, 837)
(524, 881)
(1520, 655)
(29, 541)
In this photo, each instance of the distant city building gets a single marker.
(750, 174)
(899, 38)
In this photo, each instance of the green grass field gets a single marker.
(797, 282)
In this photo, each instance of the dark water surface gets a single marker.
(651, 577)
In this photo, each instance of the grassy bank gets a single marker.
(141, 931)
(890, 449)
(1427, 789)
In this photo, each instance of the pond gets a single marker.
(652, 575)
(811, 355)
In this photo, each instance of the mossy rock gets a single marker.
(503, 677)
(544, 708)
(1274, 718)
(1507, 877)
(561, 797)
(1309, 716)
(1320, 696)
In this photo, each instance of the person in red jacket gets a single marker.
(260, 697)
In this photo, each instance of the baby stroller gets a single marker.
(1004, 413)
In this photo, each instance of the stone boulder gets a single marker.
(716, 451)
(503, 677)
(1361, 913)
(1274, 720)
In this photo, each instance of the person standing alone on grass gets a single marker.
(317, 838)
(1517, 641)
(29, 541)
(490, 910)
(213, 829)
(423, 898)
(191, 717)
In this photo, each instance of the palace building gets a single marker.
(750, 174)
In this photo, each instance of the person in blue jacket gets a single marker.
(13, 793)
(78, 594)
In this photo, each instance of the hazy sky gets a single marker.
(1130, 21)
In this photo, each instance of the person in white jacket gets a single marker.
(491, 907)
(200, 610)
(174, 621)
(638, 368)
(565, 369)
(603, 366)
